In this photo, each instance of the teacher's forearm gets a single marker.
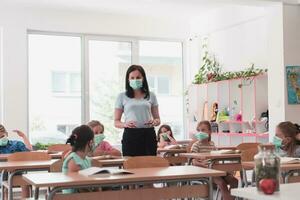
(119, 124)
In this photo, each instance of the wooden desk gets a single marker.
(171, 151)
(56, 155)
(205, 156)
(59, 181)
(287, 192)
(226, 148)
(16, 167)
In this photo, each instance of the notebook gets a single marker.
(97, 170)
(289, 160)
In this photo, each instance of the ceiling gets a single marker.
(171, 8)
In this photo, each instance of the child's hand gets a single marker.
(168, 133)
(20, 133)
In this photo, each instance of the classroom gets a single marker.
(149, 99)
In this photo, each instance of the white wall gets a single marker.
(237, 35)
(16, 22)
(291, 35)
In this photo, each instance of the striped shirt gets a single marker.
(199, 147)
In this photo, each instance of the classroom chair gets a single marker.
(59, 147)
(22, 156)
(145, 162)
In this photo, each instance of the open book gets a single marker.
(97, 170)
(225, 151)
(289, 160)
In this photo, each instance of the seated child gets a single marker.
(165, 136)
(12, 146)
(286, 141)
(82, 141)
(204, 144)
(101, 147)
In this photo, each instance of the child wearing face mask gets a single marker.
(204, 144)
(165, 136)
(12, 146)
(101, 147)
(81, 140)
(286, 140)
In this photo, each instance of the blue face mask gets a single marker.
(3, 141)
(201, 136)
(277, 141)
(98, 139)
(136, 84)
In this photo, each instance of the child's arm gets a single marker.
(72, 166)
(106, 149)
(114, 152)
(25, 139)
(162, 142)
(173, 141)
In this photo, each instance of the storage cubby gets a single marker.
(243, 100)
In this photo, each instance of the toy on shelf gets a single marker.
(214, 112)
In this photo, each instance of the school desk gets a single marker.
(16, 167)
(219, 161)
(226, 148)
(54, 155)
(116, 162)
(141, 176)
(288, 169)
(287, 192)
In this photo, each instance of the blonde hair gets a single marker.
(94, 123)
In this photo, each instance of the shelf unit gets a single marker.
(248, 97)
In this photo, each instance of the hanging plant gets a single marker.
(211, 70)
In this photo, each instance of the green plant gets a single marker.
(211, 70)
(40, 146)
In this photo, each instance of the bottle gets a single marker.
(267, 165)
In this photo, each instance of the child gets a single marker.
(81, 140)
(286, 139)
(12, 146)
(101, 147)
(165, 136)
(204, 144)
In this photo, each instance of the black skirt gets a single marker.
(139, 142)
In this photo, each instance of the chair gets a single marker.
(145, 162)
(247, 145)
(22, 156)
(59, 147)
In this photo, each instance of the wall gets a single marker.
(16, 22)
(291, 27)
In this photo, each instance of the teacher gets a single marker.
(141, 115)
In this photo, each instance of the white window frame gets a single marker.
(85, 101)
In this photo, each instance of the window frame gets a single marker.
(85, 107)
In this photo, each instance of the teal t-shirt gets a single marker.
(82, 163)
(138, 110)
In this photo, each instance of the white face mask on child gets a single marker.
(3, 141)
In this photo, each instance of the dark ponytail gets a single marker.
(80, 137)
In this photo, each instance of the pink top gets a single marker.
(104, 146)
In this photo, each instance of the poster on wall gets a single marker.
(293, 84)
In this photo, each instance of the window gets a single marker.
(54, 68)
(159, 84)
(66, 83)
(163, 65)
(106, 80)
(55, 84)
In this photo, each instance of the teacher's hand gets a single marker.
(153, 122)
(130, 124)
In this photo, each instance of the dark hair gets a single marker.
(80, 137)
(207, 124)
(160, 129)
(290, 130)
(145, 87)
(94, 123)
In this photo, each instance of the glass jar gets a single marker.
(267, 165)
